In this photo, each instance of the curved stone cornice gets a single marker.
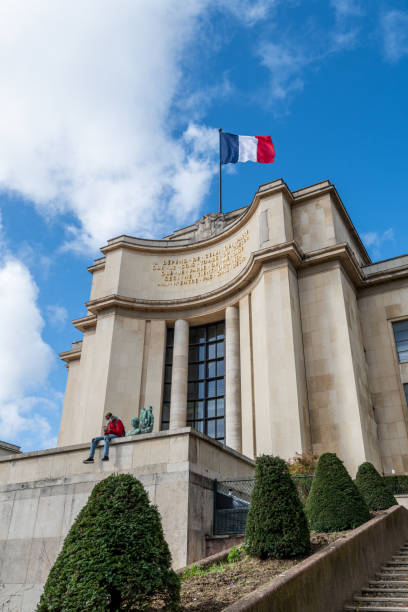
(174, 246)
(289, 251)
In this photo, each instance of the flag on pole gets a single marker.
(235, 149)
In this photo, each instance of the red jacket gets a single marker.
(115, 427)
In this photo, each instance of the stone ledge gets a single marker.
(183, 431)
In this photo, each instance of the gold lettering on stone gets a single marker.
(179, 271)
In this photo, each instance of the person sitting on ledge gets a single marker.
(114, 429)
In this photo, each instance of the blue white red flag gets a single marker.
(235, 149)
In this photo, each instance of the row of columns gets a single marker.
(179, 380)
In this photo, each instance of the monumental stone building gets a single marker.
(264, 330)
(267, 328)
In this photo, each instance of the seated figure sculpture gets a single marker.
(135, 427)
(143, 424)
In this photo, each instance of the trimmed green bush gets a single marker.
(373, 488)
(276, 526)
(334, 502)
(115, 556)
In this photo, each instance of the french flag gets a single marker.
(235, 149)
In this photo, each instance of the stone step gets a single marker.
(400, 561)
(391, 576)
(376, 600)
(400, 583)
(387, 589)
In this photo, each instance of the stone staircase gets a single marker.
(388, 591)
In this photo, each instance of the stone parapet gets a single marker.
(42, 492)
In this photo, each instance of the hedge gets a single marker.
(276, 526)
(334, 502)
(115, 556)
(373, 488)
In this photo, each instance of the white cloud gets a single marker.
(57, 315)
(249, 11)
(86, 122)
(395, 34)
(346, 8)
(374, 241)
(25, 359)
(285, 66)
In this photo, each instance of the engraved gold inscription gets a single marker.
(179, 271)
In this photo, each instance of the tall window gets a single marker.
(401, 339)
(168, 366)
(406, 392)
(206, 367)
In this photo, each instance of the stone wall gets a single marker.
(42, 492)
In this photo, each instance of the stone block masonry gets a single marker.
(42, 492)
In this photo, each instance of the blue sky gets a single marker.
(108, 125)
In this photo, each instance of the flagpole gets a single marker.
(220, 179)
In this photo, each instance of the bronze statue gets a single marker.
(135, 427)
(143, 424)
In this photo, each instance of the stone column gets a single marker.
(178, 399)
(233, 437)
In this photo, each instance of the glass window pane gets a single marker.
(401, 335)
(211, 428)
(167, 374)
(220, 367)
(169, 355)
(220, 349)
(201, 390)
(211, 351)
(220, 331)
(211, 388)
(192, 371)
(170, 336)
(400, 326)
(193, 353)
(211, 408)
(220, 428)
(211, 369)
(212, 333)
(192, 391)
(402, 345)
(190, 411)
(165, 426)
(199, 410)
(403, 356)
(201, 353)
(166, 393)
(220, 407)
(200, 426)
(406, 391)
(220, 387)
(166, 412)
(201, 371)
(190, 423)
(201, 334)
(193, 335)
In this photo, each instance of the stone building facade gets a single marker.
(267, 328)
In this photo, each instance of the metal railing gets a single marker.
(232, 499)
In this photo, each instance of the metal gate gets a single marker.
(232, 499)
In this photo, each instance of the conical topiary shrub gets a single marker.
(276, 525)
(114, 557)
(334, 502)
(373, 488)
